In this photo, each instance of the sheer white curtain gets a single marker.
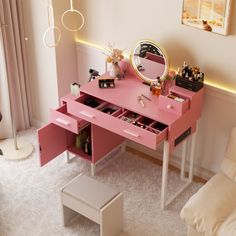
(13, 68)
(5, 124)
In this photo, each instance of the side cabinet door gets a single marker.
(52, 142)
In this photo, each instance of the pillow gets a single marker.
(228, 167)
(228, 228)
(231, 146)
(206, 210)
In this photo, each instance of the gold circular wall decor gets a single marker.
(54, 30)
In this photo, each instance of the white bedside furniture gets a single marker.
(94, 200)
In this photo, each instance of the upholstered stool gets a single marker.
(95, 201)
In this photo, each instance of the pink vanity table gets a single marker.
(164, 120)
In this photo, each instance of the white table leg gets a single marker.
(92, 169)
(183, 160)
(192, 152)
(188, 180)
(164, 174)
(67, 156)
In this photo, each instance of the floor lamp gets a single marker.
(14, 148)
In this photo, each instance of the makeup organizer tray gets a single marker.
(106, 83)
(100, 105)
(142, 121)
(110, 109)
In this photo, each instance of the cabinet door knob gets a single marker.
(169, 106)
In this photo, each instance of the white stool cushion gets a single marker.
(228, 228)
(211, 205)
(228, 166)
(90, 191)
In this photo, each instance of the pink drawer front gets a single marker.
(67, 121)
(171, 105)
(148, 136)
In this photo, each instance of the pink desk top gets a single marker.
(125, 95)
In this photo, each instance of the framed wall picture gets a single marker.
(209, 15)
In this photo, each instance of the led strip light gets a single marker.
(211, 84)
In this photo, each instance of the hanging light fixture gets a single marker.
(72, 11)
(51, 28)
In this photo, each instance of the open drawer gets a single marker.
(120, 121)
(174, 103)
(65, 120)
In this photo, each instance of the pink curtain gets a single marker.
(16, 61)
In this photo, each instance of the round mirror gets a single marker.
(149, 61)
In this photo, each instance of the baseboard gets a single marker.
(36, 123)
(175, 161)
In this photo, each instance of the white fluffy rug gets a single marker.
(30, 199)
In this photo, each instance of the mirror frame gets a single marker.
(161, 49)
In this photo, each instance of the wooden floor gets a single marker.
(159, 163)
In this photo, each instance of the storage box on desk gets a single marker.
(188, 84)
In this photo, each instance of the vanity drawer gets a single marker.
(148, 136)
(65, 120)
(171, 105)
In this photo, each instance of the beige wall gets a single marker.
(65, 52)
(51, 69)
(125, 22)
(42, 63)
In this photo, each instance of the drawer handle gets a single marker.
(169, 107)
(87, 114)
(131, 133)
(64, 122)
